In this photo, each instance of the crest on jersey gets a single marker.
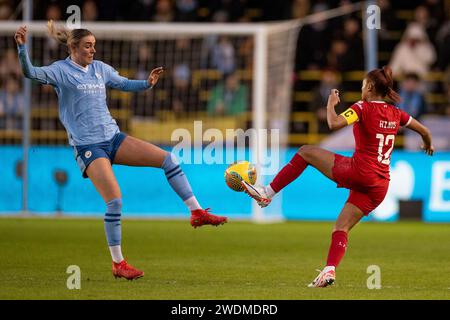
(87, 154)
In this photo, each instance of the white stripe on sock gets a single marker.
(192, 203)
(116, 253)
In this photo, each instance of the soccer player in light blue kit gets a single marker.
(80, 83)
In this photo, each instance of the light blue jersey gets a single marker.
(82, 95)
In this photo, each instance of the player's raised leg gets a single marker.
(321, 159)
(100, 173)
(348, 218)
(136, 152)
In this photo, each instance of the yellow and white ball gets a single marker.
(238, 171)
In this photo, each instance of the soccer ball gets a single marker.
(238, 171)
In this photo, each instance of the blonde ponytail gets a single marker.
(66, 36)
(59, 33)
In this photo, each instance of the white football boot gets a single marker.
(324, 279)
(257, 193)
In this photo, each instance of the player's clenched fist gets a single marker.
(20, 35)
(333, 98)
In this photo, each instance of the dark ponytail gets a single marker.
(384, 83)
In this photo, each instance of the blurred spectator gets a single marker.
(186, 10)
(422, 17)
(388, 23)
(354, 55)
(11, 104)
(337, 55)
(220, 17)
(223, 56)
(298, 9)
(143, 61)
(229, 97)
(436, 10)
(210, 46)
(318, 104)
(136, 10)
(443, 45)
(53, 12)
(181, 92)
(447, 109)
(226, 10)
(446, 86)
(183, 50)
(9, 65)
(164, 11)
(245, 54)
(5, 10)
(89, 11)
(183, 96)
(388, 19)
(429, 24)
(314, 42)
(414, 53)
(52, 46)
(411, 92)
(274, 10)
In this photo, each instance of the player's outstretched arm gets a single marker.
(424, 133)
(119, 82)
(46, 75)
(335, 121)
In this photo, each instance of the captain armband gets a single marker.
(350, 116)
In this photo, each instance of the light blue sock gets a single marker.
(113, 226)
(176, 177)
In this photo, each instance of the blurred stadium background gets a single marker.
(213, 75)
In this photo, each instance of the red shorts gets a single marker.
(365, 192)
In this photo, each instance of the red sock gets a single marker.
(337, 248)
(289, 173)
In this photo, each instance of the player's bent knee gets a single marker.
(115, 205)
(303, 149)
(170, 162)
(306, 150)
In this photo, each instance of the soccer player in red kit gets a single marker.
(366, 173)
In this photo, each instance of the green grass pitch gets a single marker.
(239, 260)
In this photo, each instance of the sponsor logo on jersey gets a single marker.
(90, 86)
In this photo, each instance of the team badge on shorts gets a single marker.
(87, 154)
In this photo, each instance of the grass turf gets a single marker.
(239, 260)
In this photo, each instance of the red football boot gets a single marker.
(124, 270)
(201, 217)
(324, 279)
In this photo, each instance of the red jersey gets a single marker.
(375, 131)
